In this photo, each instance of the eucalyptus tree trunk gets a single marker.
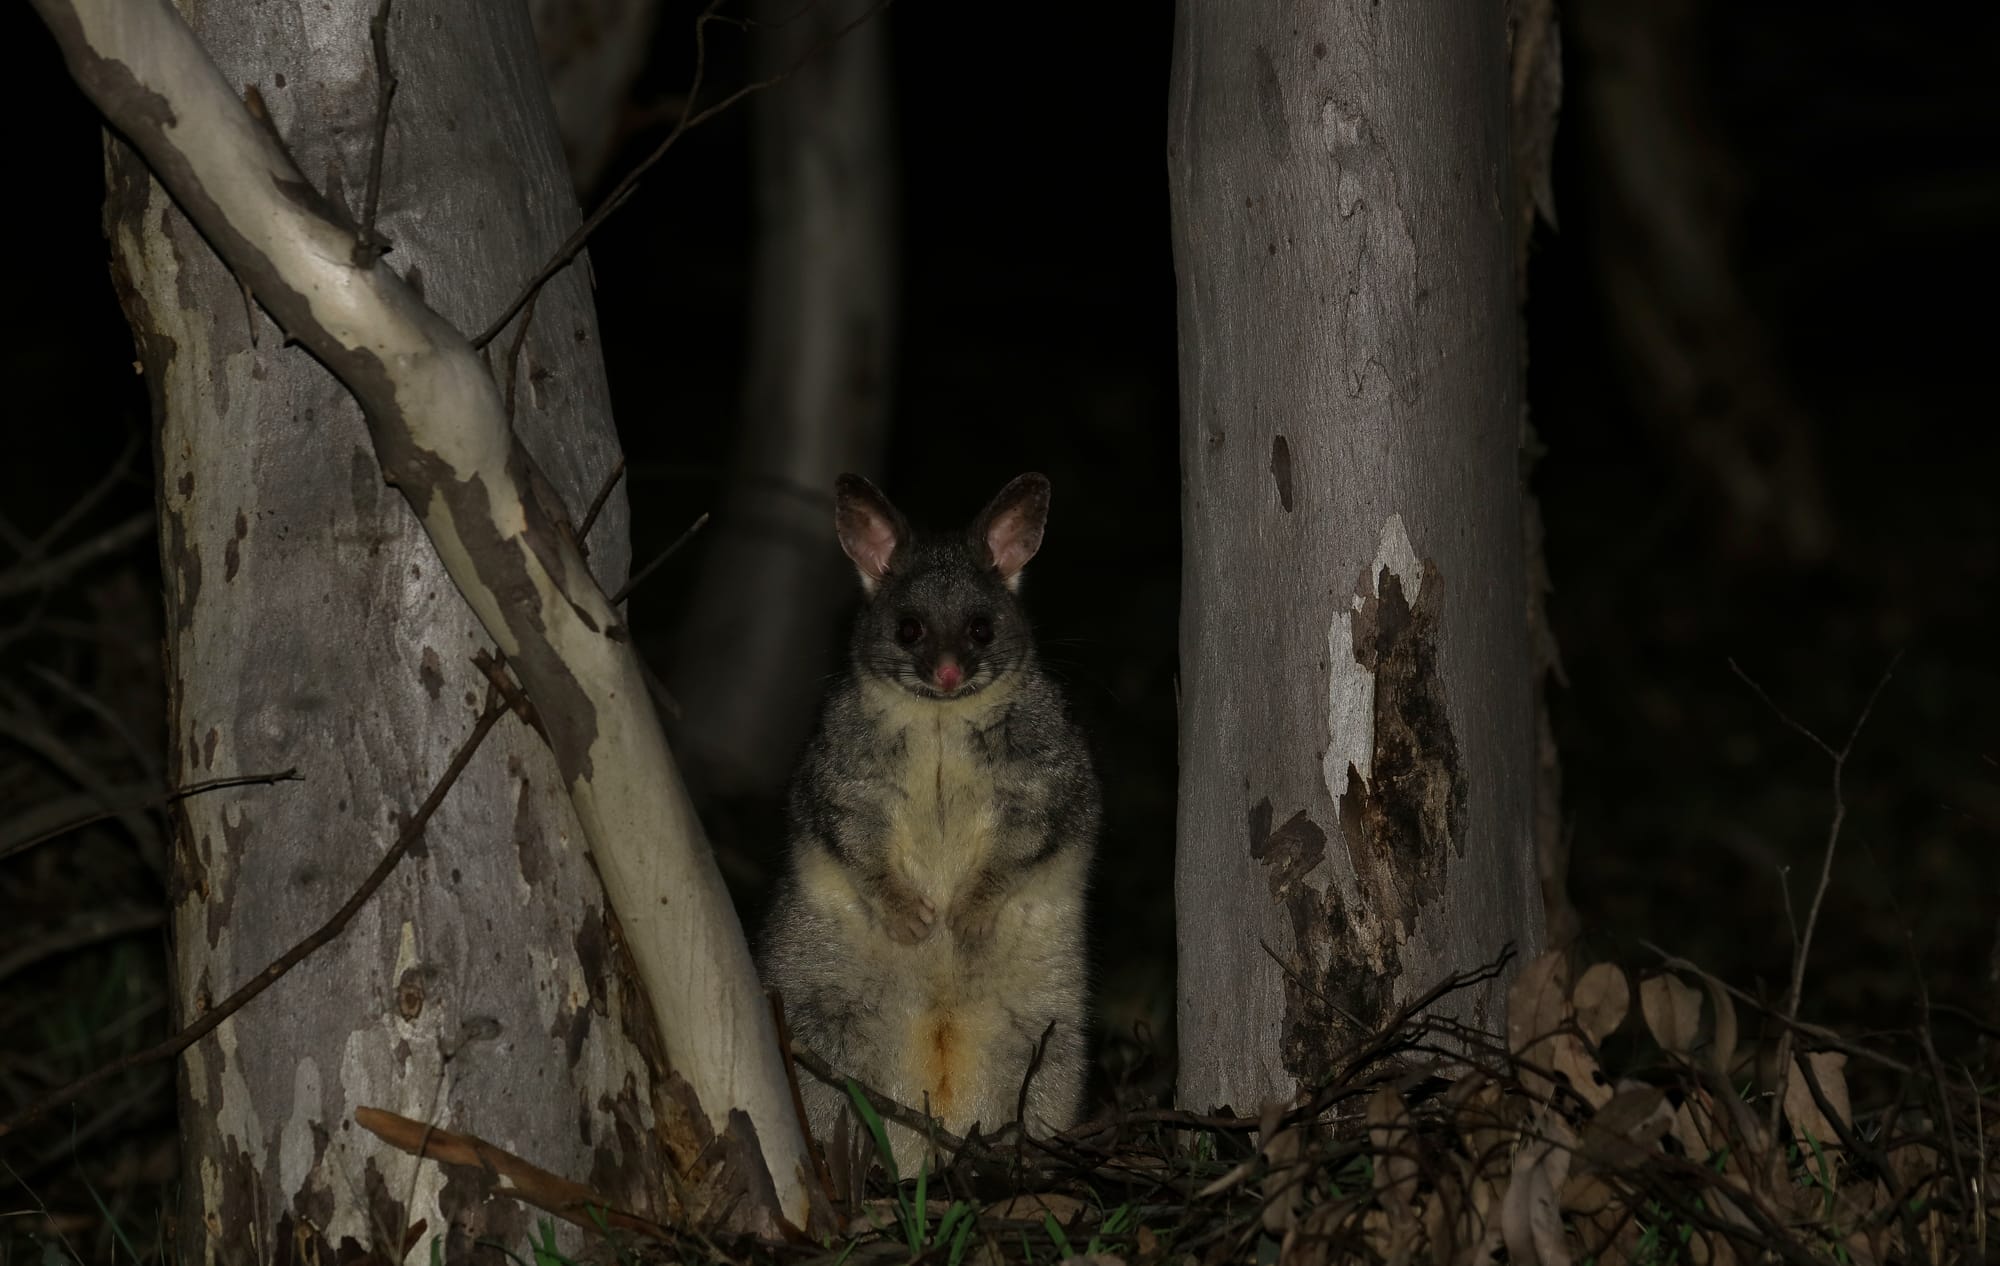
(755, 651)
(311, 624)
(1357, 724)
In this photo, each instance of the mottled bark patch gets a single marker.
(528, 843)
(220, 909)
(1333, 994)
(430, 673)
(189, 873)
(593, 952)
(128, 200)
(1281, 470)
(614, 1157)
(468, 1199)
(1270, 96)
(300, 1232)
(232, 1194)
(182, 560)
(1406, 819)
(412, 989)
(232, 553)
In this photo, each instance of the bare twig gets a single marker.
(640, 577)
(113, 540)
(597, 504)
(1803, 949)
(1027, 1080)
(122, 804)
(141, 753)
(370, 245)
(1968, 1193)
(21, 722)
(84, 930)
(48, 1219)
(900, 1113)
(412, 831)
(512, 368)
(777, 1002)
(518, 1178)
(690, 118)
(119, 469)
(1830, 1039)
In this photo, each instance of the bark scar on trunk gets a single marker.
(1281, 470)
(1330, 988)
(1402, 820)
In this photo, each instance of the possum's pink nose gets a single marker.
(949, 675)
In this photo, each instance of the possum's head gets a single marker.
(941, 618)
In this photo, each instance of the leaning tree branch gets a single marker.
(440, 431)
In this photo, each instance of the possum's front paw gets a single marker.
(971, 920)
(906, 916)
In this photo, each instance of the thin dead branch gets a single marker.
(521, 1179)
(33, 577)
(28, 829)
(691, 118)
(412, 831)
(1803, 950)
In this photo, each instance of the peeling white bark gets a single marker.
(439, 431)
(1350, 688)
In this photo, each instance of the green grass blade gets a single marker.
(109, 1220)
(959, 1241)
(876, 1130)
(1055, 1231)
(950, 1219)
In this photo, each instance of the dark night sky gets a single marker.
(1039, 333)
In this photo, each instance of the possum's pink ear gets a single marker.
(1010, 528)
(869, 527)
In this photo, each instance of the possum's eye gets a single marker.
(910, 630)
(979, 629)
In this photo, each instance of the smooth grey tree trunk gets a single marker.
(1357, 724)
(310, 624)
(754, 654)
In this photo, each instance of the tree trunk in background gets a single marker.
(1535, 63)
(1665, 256)
(310, 624)
(591, 52)
(750, 665)
(1357, 724)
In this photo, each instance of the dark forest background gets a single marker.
(1848, 163)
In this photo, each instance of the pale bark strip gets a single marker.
(1357, 734)
(439, 429)
(822, 352)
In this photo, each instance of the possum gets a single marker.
(927, 935)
